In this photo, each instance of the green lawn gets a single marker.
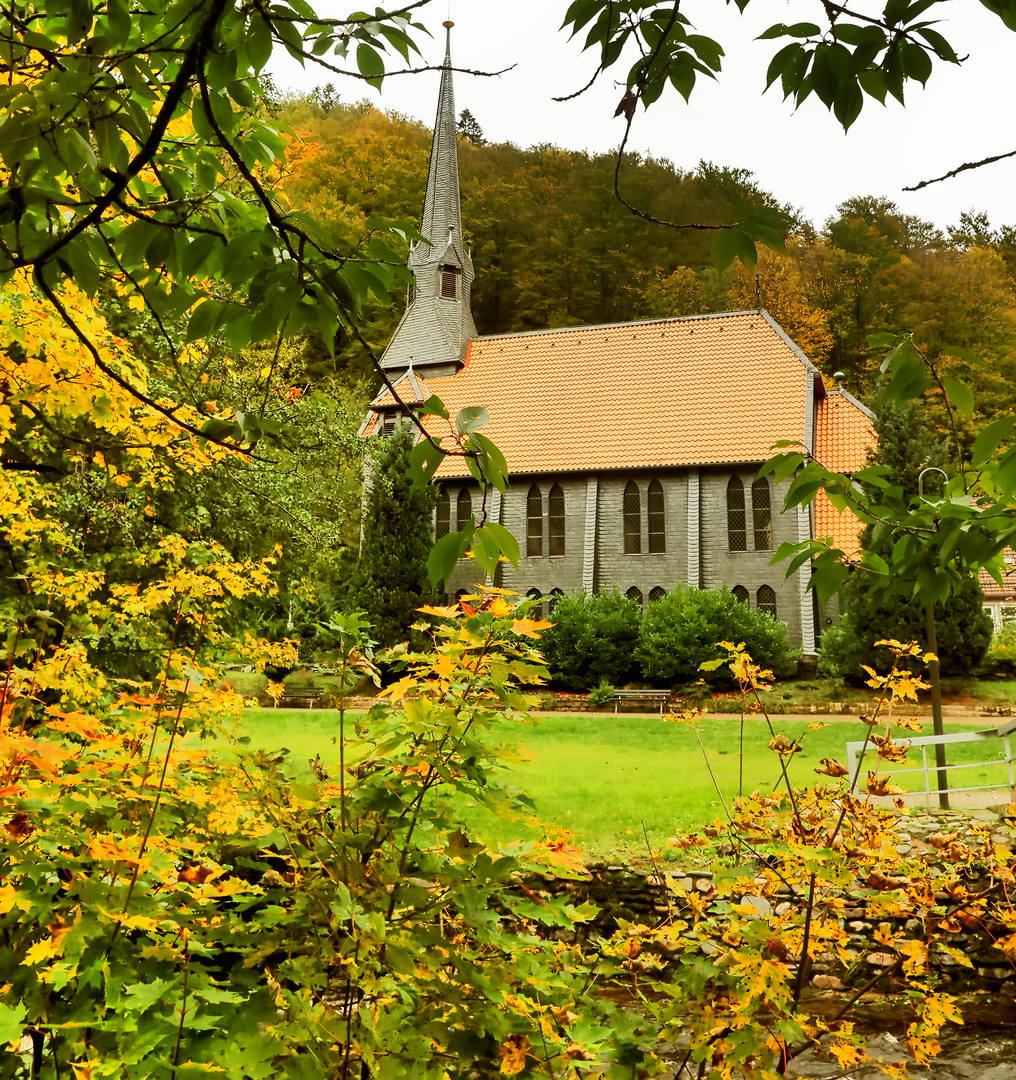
(603, 776)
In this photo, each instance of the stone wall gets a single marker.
(630, 895)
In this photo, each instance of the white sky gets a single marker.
(803, 158)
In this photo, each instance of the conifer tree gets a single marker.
(397, 533)
(470, 127)
(963, 628)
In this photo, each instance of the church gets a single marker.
(632, 449)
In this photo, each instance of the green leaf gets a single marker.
(424, 460)
(960, 394)
(916, 62)
(508, 545)
(371, 64)
(445, 555)
(730, 244)
(990, 438)
(486, 550)
(471, 419)
(12, 1022)
(434, 406)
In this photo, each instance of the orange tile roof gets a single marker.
(843, 433)
(992, 590)
(712, 389)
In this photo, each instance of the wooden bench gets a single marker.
(659, 697)
(300, 696)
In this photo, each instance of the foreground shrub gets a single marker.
(681, 630)
(592, 640)
(167, 913)
(786, 862)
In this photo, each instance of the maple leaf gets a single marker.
(513, 1054)
(530, 627)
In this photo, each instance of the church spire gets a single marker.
(438, 324)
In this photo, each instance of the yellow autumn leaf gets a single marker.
(847, 1056)
(530, 627)
(513, 1054)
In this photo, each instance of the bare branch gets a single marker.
(962, 168)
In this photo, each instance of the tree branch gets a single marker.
(962, 168)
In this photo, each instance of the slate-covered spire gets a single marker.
(435, 331)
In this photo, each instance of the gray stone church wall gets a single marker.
(697, 545)
(750, 568)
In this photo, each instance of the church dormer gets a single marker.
(435, 331)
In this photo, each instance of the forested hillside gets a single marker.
(553, 247)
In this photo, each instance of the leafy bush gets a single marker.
(962, 629)
(167, 913)
(601, 694)
(1001, 656)
(593, 640)
(681, 630)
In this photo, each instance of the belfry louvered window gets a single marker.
(657, 519)
(740, 594)
(766, 600)
(534, 522)
(632, 508)
(449, 285)
(737, 528)
(761, 514)
(555, 520)
(443, 518)
(463, 509)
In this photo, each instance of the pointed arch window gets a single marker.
(737, 528)
(740, 594)
(657, 593)
(766, 600)
(537, 597)
(555, 520)
(635, 593)
(534, 522)
(443, 517)
(463, 509)
(555, 595)
(761, 514)
(632, 508)
(655, 511)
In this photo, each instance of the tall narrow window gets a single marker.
(443, 518)
(740, 594)
(658, 592)
(555, 520)
(657, 519)
(632, 520)
(387, 428)
(635, 594)
(534, 522)
(555, 595)
(766, 600)
(761, 514)
(449, 285)
(737, 528)
(463, 509)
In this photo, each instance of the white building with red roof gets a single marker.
(632, 449)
